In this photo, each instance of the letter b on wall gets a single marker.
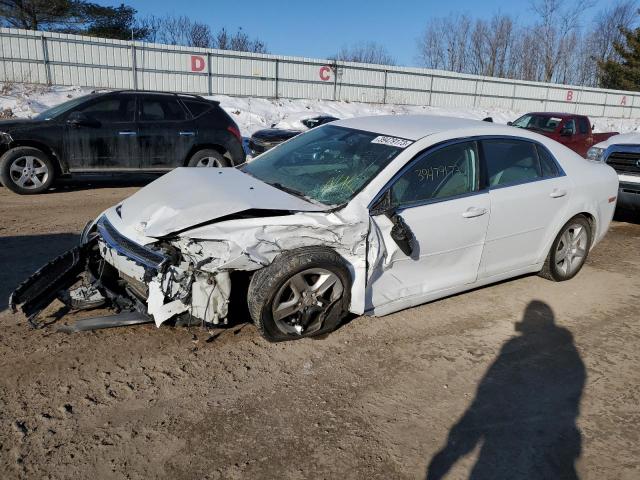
(197, 63)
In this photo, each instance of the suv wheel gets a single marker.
(303, 293)
(26, 170)
(569, 250)
(208, 158)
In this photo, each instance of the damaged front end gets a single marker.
(169, 256)
(110, 270)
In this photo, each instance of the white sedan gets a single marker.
(368, 215)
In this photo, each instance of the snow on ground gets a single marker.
(252, 114)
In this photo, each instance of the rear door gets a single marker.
(166, 132)
(109, 143)
(529, 194)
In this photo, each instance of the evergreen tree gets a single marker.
(114, 22)
(623, 74)
(73, 16)
(41, 14)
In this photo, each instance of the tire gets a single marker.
(569, 250)
(314, 309)
(208, 158)
(26, 170)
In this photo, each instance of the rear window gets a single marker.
(583, 124)
(547, 164)
(153, 109)
(197, 108)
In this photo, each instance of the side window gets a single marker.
(511, 161)
(583, 125)
(547, 164)
(196, 108)
(113, 109)
(447, 172)
(160, 109)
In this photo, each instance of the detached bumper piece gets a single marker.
(123, 319)
(43, 287)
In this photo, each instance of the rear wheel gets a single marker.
(208, 158)
(569, 250)
(303, 293)
(26, 170)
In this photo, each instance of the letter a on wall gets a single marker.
(197, 63)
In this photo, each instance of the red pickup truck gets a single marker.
(573, 131)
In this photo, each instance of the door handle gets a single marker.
(557, 193)
(127, 133)
(187, 134)
(472, 212)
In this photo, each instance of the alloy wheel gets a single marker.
(28, 172)
(572, 249)
(209, 162)
(302, 303)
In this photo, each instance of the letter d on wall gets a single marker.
(197, 63)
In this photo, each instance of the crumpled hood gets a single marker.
(622, 139)
(187, 197)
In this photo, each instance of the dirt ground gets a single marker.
(523, 379)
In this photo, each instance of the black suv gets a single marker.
(117, 132)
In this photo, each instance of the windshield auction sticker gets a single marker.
(392, 141)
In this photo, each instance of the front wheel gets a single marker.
(208, 158)
(569, 250)
(26, 170)
(303, 293)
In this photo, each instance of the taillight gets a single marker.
(236, 133)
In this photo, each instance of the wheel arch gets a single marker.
(44, 148)
(208, 146)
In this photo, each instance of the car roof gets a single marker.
(556, 114)
(156, 92)
(414, 127)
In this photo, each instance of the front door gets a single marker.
(166, 132)
(108, 140)
(438, 197)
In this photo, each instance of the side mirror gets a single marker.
(509, 123)
(79, 119)
(400, 232)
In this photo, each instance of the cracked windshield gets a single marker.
(329, 164)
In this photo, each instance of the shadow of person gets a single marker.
(525, 409)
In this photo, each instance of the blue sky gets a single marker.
(318, 28)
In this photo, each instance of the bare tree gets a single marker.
(365, 52)
(555, 47)
(182, 30)
(558, 22)
(238, 41)
(607, 31)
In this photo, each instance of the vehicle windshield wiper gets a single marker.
(292, 191)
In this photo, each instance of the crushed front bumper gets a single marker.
(43, 287)
(127, 276)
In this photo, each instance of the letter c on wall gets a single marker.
(197, 63)
(324, 73)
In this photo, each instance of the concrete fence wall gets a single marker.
(61, 59)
